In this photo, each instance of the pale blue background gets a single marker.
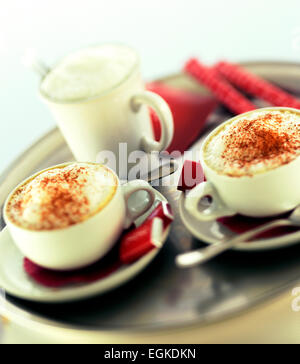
(165, 32)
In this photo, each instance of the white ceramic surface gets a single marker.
(118, 115)
(84, 243)
(15, 281)
(264, 194)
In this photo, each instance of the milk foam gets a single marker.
(89, 72)
(216, 154)
(61, 197)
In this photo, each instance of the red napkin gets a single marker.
(141, 240)
(191, 175)
(238, 223)
(56, 279)
(133, 244)
(190, 111)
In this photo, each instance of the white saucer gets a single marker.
(15, 281)
(212, 232)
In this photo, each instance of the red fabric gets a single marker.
(221, 88)
(256, 86)
(136, 243)
(126, 251)
(191, 175)
(240, 224)
(190, 112)
(56, 279)
(164, 212)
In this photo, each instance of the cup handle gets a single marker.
(216, 209)
(165, 116)
(131, 188)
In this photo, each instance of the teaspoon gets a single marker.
(200, 256)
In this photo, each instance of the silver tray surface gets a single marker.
(163, 296)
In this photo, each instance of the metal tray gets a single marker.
(163, 296)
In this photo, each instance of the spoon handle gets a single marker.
(31, 61)
(202, 255)
(162, 171)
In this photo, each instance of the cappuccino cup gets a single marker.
(252, 166)
(98, 100)
(70, 215)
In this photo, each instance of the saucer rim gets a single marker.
(81, 291)
(255, 245)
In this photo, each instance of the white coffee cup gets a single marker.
(119, 114)
(264, 194)
(84, 243)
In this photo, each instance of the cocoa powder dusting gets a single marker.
(262, 139)
(63, 199)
